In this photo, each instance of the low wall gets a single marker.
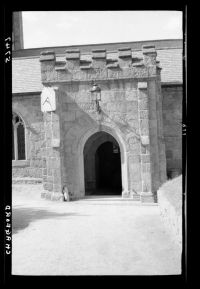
(170, 204)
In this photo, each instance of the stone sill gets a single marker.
(21, 163)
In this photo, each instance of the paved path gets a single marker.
(105, 236)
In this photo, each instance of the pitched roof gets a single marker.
(26, 74)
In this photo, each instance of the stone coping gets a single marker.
(26, 180)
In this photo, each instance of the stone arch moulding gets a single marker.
(26, 126)
(119, 139)
(18, 112)
(24, 114)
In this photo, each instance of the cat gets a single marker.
(66, 194)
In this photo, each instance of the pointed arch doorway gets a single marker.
(102, 165)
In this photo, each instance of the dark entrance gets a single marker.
(108, 169)
(102, 165)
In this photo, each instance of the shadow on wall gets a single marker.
(79, 115)
(171, 174)
(22, 217)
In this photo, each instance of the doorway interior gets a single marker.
(102, 165)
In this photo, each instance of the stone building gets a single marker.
(100, 119)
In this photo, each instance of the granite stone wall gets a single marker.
(28, 108)
(172, 128)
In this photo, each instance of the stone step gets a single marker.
(110, 198)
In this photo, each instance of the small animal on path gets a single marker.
(66, 194)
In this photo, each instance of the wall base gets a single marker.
(148, 197)
(55, 196)
(125, 194)
(130, 195)
(52, 196)
(144, 197)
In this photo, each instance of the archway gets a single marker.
(102, 165)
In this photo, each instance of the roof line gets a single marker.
(106, 43)
(30, 93)
(171, 83)
(86, 53)
(87, 47)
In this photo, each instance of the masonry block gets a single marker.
(48, 186)
(57, 197)
(144, 127)
(146, 197)
(143, 104)
(143, 114)
(149, 55)
(72, 54)
(135, 172)
(73, 59)
(131, 95)
(136, 186)
(125, 57)
(47, 56)
(142, 85)
(145, 158)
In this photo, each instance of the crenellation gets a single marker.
(125, 52)
(47, 56)
(149, 55)
(125, 57)
(98, 66)
(72, 54)
(99, 54)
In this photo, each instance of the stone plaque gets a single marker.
(48, 99)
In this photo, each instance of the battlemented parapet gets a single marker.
(130, 111)
(98, 66)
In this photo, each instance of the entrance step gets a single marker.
(95, 199)
(110, 198)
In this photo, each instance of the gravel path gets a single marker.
(105, 236)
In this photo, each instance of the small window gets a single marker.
(18, 138)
